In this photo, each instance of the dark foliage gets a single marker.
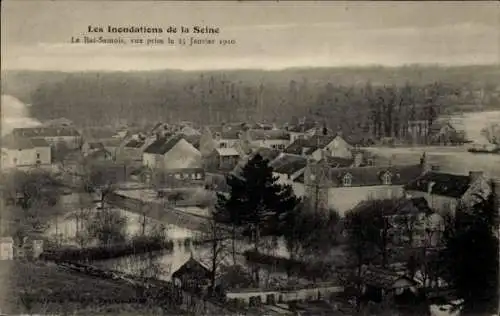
(471, 256)
(256, 202)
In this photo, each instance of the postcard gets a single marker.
(249, 158)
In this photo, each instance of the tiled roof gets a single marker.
(261, 134)
(266, 153)
(373, 175)
(312, 144)
(52, 131)
(39, 142)
(339, 162)
(288, 164)
(163, 145)
(444, 184)
(382, 278)
(192, 268)
(13, 142)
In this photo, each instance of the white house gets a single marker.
(24, 152)
(289, 169)
(171, 153)
(274, 139)
(319, 145)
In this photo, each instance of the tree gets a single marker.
(108, 227)
(59, 152)
(471, 256)
(310, 232)
(216, 239)
(257, 203)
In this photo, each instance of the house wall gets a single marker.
(182, 155)
(294, 136)
(298, 188)
(150, 160)
(45, 156)
(338, 147)
(442, 204)
(299, 294)
(24, 157)
(345, 198)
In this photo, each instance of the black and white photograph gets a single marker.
(250, 158)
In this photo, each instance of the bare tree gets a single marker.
(216, 238)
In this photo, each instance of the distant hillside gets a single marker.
(105, 97)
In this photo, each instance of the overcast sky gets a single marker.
(36, 34)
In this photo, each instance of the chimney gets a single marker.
(474, 176)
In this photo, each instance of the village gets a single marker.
(176, 175)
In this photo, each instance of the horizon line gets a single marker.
(367, 66)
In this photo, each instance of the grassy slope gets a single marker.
(60, 291)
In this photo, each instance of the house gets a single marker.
(43, 155)
(380, 284)
(411, 223)
(447, 131)
(224, 136)
(343, 188)
(171, 153)
(222, 159)
(274, 139)
(99, 155)
(445, 191)
(89, 147)
(52, 134)
(185, 177)
(192, 276)
(6, 248)
(288, 168)
(317, 146)
(303, 130)
(25, 152)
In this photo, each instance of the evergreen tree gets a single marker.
(471, 256)
(257, 203)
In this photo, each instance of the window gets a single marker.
(177, 176)
(347, 180)
(14, 161)
(386, 178)
(198, 176)
(223, 145)
(37, 155)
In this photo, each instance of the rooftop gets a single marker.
(163, 145)
(46, 131)
(310, 144)
(444, 184)
(288, 164)
(373, 175)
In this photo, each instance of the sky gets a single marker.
(271, 35)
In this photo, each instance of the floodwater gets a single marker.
(167, 261)
(453, 159)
